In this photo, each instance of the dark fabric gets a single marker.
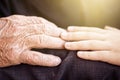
(4, 8)
(11, 7)
(71, 68)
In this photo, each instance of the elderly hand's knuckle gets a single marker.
(43, 29)
(42, 39)
(29, 58)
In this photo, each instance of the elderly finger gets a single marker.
(44, 41)
(50, 28)
(88, 45)
(35, 25)
(41, 29)
(87, 29)
(37, 58)
(71, 36)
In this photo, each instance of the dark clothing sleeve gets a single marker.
(5, 8)
(71, 68)
(11, 7)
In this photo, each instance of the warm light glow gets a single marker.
(93, 12)
(81, 12)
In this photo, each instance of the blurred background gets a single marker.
(86, 12)
(72, 12)
(92, 12)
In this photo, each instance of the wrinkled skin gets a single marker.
(19, 34)
(94, 43)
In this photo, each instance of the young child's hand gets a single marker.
(94, 43)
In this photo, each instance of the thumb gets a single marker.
(37, 58)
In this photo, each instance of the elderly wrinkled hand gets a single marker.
(94, 43)
(19, 34)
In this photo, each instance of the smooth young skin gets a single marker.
(94, 43)
(19, 34)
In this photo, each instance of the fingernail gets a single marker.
(67, 45)
(80, 53)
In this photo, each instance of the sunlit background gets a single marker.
(92, 12)
(81, 12)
